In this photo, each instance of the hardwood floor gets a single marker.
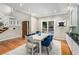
(65, 48)
(8, 45)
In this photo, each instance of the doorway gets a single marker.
(25, 28)
(48, 26)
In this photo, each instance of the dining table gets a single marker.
(38, 38)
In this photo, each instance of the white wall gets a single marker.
(59, 32)
(34, 24)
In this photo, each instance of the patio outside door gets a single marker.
(48, 26)
(51, 26)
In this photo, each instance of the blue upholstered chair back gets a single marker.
(33, 33)
(37, 32)
(51, 36)
(47, 41)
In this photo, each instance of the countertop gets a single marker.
(74, 38)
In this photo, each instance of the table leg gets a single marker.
(40, 47)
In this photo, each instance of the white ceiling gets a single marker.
(41, 9)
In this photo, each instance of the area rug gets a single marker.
(56, 47)
(21, 50)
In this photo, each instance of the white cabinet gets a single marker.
(13, 21)
(74, 16)
(73, 19)
(74, 47)
(78, 19)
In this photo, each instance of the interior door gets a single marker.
(25, 28)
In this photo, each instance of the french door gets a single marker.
(48, 26)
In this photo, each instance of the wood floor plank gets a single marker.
(8, 45)
(65, 48)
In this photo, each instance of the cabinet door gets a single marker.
(74, 17)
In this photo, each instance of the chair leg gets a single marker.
(48, 50)
(32, 51)
(51, 47)
(27, 50)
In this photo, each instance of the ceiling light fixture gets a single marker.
(21, 4)
(55, 11)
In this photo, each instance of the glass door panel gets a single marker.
(51, 26)
(44, 27)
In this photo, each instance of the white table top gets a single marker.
(41, 37)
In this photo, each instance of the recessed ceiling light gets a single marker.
(55, 11)
(20, 4)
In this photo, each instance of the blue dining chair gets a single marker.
(47, 42)
(37, 32)
(33, 33)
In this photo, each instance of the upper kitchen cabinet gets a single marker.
(13, 21)
(73, 18)
(78, 19)
(73, 15)
(10, 21)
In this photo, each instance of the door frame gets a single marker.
(26, 26)
(47, 24)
